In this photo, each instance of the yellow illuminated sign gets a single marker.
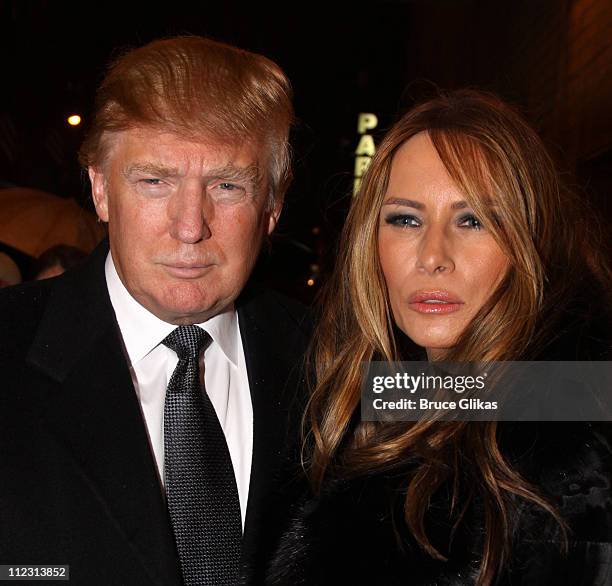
(366, 148)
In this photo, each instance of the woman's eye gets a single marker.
(470, 221)
(403, 220)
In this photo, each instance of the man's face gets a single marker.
(186, 220)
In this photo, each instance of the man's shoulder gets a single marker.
(261, 303)
(32, 294)
(21, 310)
(45, 313)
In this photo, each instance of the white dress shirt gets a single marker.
(152, 364)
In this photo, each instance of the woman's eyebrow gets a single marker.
(400, 201)
(456, 205)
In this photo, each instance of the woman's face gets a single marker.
(439, 262)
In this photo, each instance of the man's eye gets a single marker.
(470, 221)
(153, 187)
(403, 220)
(227, 192)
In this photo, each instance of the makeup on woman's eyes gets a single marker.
(465, 220)
(402, 220)
(469, 221)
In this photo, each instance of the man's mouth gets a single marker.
(184, 270)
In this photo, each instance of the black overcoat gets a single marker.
(78, 482)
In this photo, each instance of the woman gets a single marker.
(461, 246)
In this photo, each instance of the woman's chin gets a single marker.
(434, 345)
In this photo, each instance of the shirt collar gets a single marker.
(143, 331)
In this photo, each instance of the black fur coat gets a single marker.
(354, 532)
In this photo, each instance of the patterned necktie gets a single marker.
(200, 483)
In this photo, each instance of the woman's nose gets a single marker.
(435, 253)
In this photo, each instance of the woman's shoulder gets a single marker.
(570, 463)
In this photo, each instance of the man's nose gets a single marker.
(190, 214)
(435, 252)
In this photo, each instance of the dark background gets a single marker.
(551, 58)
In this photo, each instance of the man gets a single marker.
(148, 395)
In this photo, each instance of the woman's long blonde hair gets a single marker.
(491, 154)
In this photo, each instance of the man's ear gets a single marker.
(275, 213)
(98, 192)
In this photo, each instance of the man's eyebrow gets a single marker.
(250, 173)
(457, 205)
(157, 169)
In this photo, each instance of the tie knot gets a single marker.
(187, 341)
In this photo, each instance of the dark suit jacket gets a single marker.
(78, 482)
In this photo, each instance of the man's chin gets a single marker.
(182, 314)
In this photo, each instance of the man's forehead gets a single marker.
(151, 146)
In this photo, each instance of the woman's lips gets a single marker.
(434, 302)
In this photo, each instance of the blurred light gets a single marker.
(74, 120)
(310, 282)
(316, 230)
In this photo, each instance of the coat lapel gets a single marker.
(274, 341)
(93, 411)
